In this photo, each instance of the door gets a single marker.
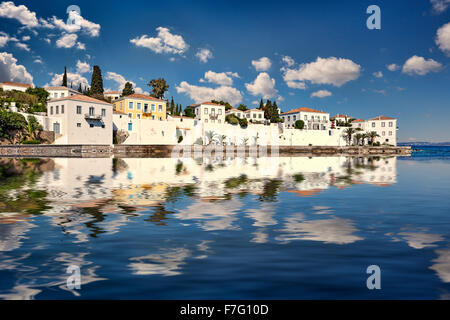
(56, 128)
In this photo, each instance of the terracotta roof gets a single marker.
(254, 109)
(112, 92)
(234, 109)
(60, 88)
(83, 98)
(358, 120)
(382, 118)
(142, 97)
(17, 84)
(303, 109)
(341, 116)
(212, 104)
(118, 112)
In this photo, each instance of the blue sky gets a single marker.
(317, 54)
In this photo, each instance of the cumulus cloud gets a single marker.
(321, 94)
(38, 61)
(69, 40)
(378, 74)
(20, 13)
(263, 86)
(22, 46)
(222, 78)
(262, 64)
(204, 55)
(334, 71)
(26, 38)
(90, 28)
(4, 39)
(393, 67)
(121, 80)
(440, 6)
(11, 71)
(165, 42)
(443, 38)
(201, 94)
(420, 66)
(72, 78)
(288, 61)
(83, 67)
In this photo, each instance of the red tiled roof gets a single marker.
(60, 88)
(17, 84)
(382, 118)
(80, 97)
(112, 92)
(118, 112)
(358, 120)
(254, 109)
(341, 116)
(141, 96)
(234, 109)
(303, 109)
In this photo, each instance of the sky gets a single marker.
(318, 54)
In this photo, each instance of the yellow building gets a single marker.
(141, 106)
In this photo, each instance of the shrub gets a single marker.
(243, 122)
(232, 119)
(180, 138)
(299, 124)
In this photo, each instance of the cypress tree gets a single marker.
(261, 105)
(96, 82)
(79, 89)
(64, 81)
(128, 89)
(172, 107)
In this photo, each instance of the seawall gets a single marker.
(165, 151)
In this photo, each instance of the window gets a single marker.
(91, 125)
(390, 133)
(289, 118)
(219, 111)
(62, 109)
(383, 133)
(79, 125)
(259, 116)
(206, 110)
(51, 110)
(153, 107)
(78, 109)
(139, 116)
(306, 117)
(373, 124)
(130, 105)
(56, 94)
(254, 116)
(121, 106)
(91, 111)
(130, 115)
(103, 112)
(153, 117)
(383, 124)
(160, 108)
(294, 117)
(391, 124)
(57, 110)
(138, 106)
(324, 118)
(103, 126)
(145, 108)
(213, 111)
(160, 118)
(130, 126)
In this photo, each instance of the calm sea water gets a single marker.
(267, 228)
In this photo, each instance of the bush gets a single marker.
(232, 119)
(10, 121)
(243, 122)
(299, 124)
(31, 142)
(180, 138)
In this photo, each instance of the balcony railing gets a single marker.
(93, 116)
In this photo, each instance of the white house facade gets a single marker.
(60, 92)
(313, 119)
(209, 112)
(386, 128)
(79, 119)
(114, 95)
(9, 86)
(255, 115)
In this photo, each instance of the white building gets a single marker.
(313, 119)
(255, 115)
(79, 119)
(238, 113)
(60, 92)
(9, 86)
(114, 95)
(341, 118)
(209, 112)
(386, 128)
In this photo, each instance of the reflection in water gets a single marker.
(160, 215)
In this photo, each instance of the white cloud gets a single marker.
(4, 38)
(22, 46)
(11, 71)
(204, 55)
(83, 67)
(263, 86)
(26, 38)
(420, 66)
(165, 42)
(47, 40)
(38, 61)
(443, 38)
(262, 64)
(72, 78)
(440, 6)
(201, 94)
(121, 81)
(296, 85)
(321, 94)
(393, 67)
(335, 71)
(288, 61)
(222, 78)
(21, 13)
(90, 28)
(68, 40)
(378, 74)
(81, 46)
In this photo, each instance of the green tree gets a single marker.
(223, 103)
(242, 107)
(299, 124)
(172, 106)
(96, 82)
(349, 132)
(189, 112)
(32, 127)
(64, 81)
(243, 122)
(127, 89)
(41, 93)
(261, 105)
(79, 89)
(159, 87)
(9, 122)
(271, 112)
(372, 135)
(232, 119)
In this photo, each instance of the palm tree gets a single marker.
(349, 133)
(372, 135)
(359, 137)
(365, 136)
(210, 136)
(221, 139)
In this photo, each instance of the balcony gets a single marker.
(92, 116)
(213, 116)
